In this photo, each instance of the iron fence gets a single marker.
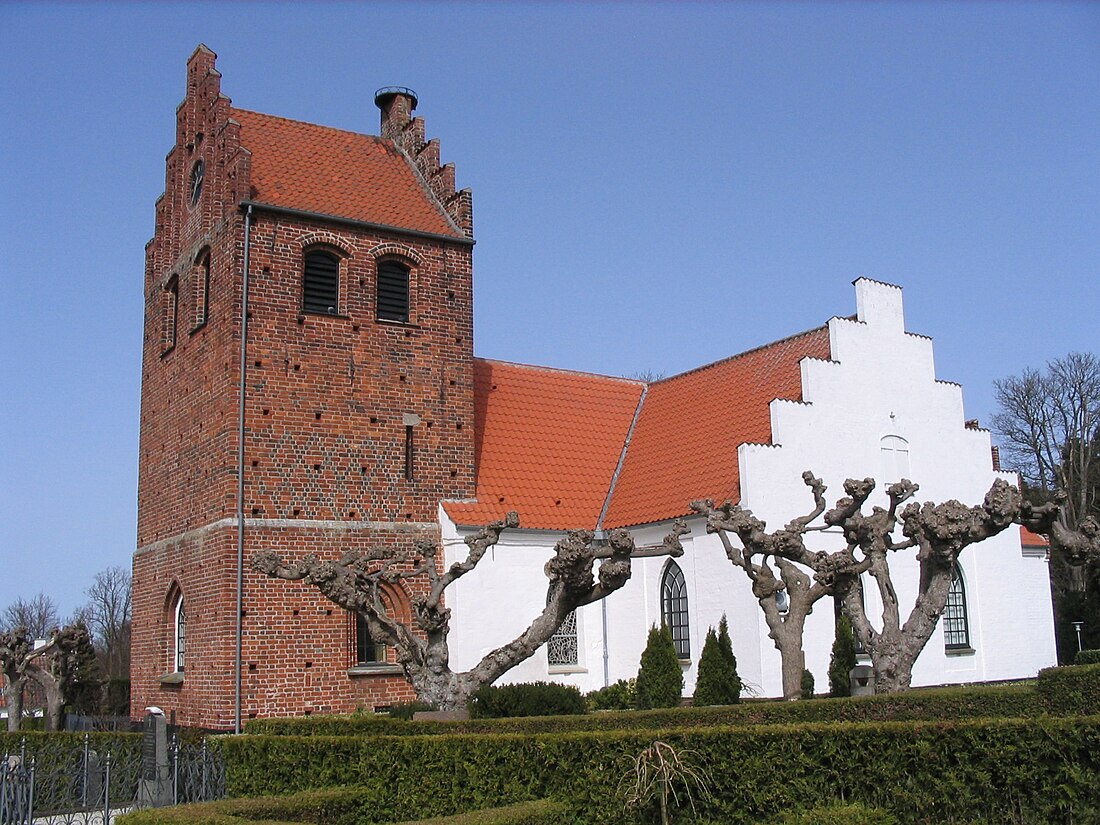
(55, 783)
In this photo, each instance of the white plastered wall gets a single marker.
(881, 382)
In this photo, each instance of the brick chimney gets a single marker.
(397, 104)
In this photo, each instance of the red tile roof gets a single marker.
(345, 174)
(548, 441)
(685, 444)
(547, 444)
(1029, 539)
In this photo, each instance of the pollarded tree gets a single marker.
(940, 532)
(355, 582)
(54, 665)
(785, 592)
(66, 664)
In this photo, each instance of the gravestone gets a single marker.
(155, 785)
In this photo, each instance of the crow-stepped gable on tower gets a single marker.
(357, 403)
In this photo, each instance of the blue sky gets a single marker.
(655, 187)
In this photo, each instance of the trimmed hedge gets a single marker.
(1007, 701)
(1074, 689)
(840, 815)
(1045, 769)
(331, 806)
(1087, 657)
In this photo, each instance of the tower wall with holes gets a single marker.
(354, 429)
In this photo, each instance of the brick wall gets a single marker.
(330, 399)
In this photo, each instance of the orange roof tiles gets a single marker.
(548, 441)
(1029, 539)
(547, 444)
(345, 174)
(685, 444)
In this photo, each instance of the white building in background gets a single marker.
(856, 397)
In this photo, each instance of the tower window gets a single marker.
(202, 289)
(170, 310)
(956, 627)
(393, 292)
(321, 283)
(198, 172)
(674, 608)
(180, 640)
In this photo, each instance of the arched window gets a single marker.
(367, 650)
(956, 628)
(170, 302)
(393, 291)
(674, 608)
(895, 458)
(179, 646)
(321, 283)
(202, 288)
(563, 648)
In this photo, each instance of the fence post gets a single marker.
(84, 775)
(205, 771)
(175, 769)
(30, 792)
(107, 790)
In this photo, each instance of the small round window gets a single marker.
(197, 172)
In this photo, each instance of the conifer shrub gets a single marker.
(660, 680)
(620, 695)
(526, 699)
(717, 682)
(843, 658)
(1087, 657)
(807, 684)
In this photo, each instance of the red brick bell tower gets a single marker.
(357, 396)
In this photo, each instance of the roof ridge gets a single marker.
(622, 459)
(743, 354)
(375, 138)
(564, 371)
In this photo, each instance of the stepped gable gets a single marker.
(685, 444)
(547, 443)
(333, 172)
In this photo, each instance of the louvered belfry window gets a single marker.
(321, 283)
(393, 292)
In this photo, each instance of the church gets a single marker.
(309, 386)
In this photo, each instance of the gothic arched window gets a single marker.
(674, 608)
(179, 643)
(956, 627)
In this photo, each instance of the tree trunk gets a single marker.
(13, 698)
(794, 662)
(55, 710)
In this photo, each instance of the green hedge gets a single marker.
(1071, 690)
(1007, 701)
(839, 815)
(1045, 770)
(331, 806)
(1087, 657)
(526, 699)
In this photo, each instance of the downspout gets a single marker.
(240, 472)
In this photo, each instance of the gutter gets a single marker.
(377, 227)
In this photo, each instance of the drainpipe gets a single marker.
(240, 472)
